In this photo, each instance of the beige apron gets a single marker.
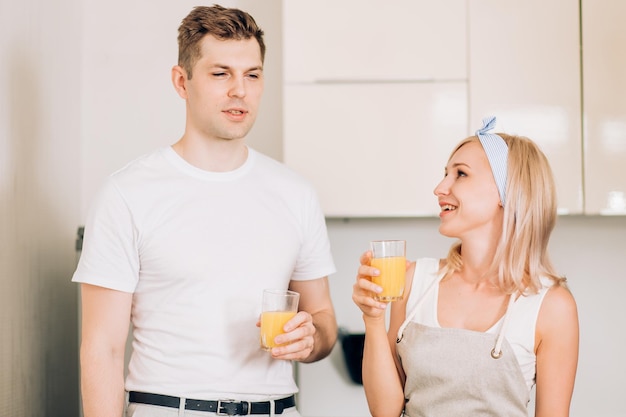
(458, 372)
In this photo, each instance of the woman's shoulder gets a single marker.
(558, 313)
(558, 300)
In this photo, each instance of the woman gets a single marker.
(476, 330)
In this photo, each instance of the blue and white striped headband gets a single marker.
(497, 153)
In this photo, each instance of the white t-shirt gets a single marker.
(197, 249)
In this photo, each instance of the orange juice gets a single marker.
(272, 323)
(391, 279)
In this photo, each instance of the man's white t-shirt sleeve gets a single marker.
(315, 259)
(110, 256)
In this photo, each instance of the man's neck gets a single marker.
(213, 156)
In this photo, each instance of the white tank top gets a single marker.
(519, 332)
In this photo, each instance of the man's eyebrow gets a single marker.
(227, 67)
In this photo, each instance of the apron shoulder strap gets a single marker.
(419, 303)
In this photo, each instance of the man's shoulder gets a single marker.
(146, 161)
(280, 170)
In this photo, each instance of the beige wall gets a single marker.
(39, 203)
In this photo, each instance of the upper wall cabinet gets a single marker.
(375, 97)
(365, 82)
(604, 92)
(348, 40)
(524, 66)
(374, 149)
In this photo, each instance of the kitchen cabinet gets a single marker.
(348, 40)
(375, 97)
(524, 68)
(364, 84)
(604, 87)
(374, 149)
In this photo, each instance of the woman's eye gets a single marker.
(461, 174)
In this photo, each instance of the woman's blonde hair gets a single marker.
(521, 257)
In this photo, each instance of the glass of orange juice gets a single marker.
(389, 257)
(279, 306)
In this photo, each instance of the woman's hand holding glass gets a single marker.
(364, 289)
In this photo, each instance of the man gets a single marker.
(181, 242)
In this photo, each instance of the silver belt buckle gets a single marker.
(230, 408)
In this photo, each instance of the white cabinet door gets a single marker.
(374, 149)
(374, 40)
(525, 69)
(604, 92)
(375, 98)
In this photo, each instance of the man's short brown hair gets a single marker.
(220, 22)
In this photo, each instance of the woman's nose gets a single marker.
(443, 188)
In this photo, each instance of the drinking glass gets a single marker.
(279, 306)
(389, 257)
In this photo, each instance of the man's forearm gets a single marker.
(325, 335)
(102, 385)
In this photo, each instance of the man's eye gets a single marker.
(219, 74)
(255, 76)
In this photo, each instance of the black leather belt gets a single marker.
(220, 407)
